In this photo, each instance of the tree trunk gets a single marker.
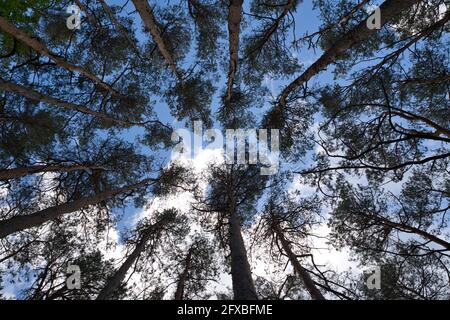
(390, 9)
(43, 50)
(301, 272)
(37, 96)
(146, 13)
(234, 21)
(179, 293)
(114, 282)
(243, 286)
(20, 223)
(15, 173)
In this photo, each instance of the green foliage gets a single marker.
(35, 131)
(26, 12)
(190, 99)
(22, 11)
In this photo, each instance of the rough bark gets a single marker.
(234, 21)
(29, 93)
(15, 173)
(243, 286)
(19, 223)
(179, 293)
(119, 26)
(114, 282)
(301, 272)
(146, 13)
(390, 9)
(43, 50)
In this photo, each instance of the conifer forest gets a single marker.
(224, 150)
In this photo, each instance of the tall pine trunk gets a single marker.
(114, 282)
(234, 21)
(146, 13)
(42, 49)
(389, 10)
(243, 286)
(29, 93)
(20, 223)
(301, 272)
(179, 293)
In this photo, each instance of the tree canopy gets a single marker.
(90, 115)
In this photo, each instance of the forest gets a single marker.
(224, 150)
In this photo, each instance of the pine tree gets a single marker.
(87, 119)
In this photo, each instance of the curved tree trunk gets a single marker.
(42, 49)
(301, 272)
(20, 223)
